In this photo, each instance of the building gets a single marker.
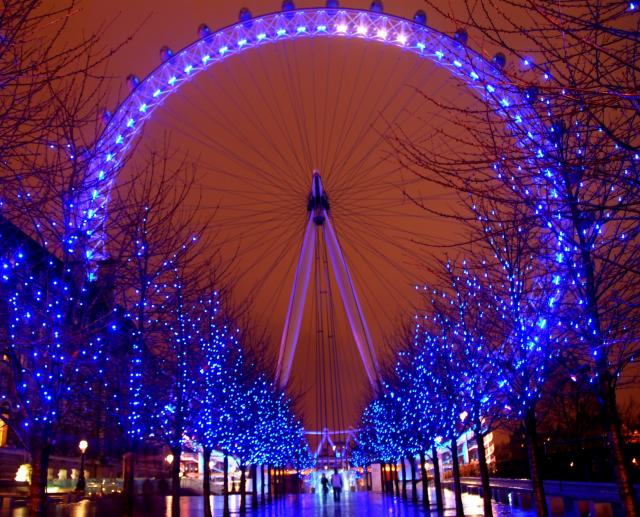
(94, 420)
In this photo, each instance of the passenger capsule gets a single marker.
(203, 30)
(166, 53)
(83, 153)
(531, 94)
(420, 17)
(500, 60)
(461, 36)
(244, 15)
(557, 131)
(133, 81)
(377, 7)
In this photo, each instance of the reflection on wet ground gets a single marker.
(358, 504)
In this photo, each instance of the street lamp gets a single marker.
(169, 460)
(80, 486)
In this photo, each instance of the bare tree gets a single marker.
(526, 342)
(573, 171)
(586, 51)
(48, 96)
(153, 240)
(464, 295)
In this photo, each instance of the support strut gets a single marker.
(318, 208)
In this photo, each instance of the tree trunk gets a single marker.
(425, 480)
(396, 478)
(404, 479)
(534, 464)
(457, 488)
(175, 481)
(262, 484)
(278, 482)
(621, 467)
(414, 481)
(284, 481)
(270, 481)
(274, 483)
(243, 489)
(39, 468)
(128, 482)
(484, 474)
(627, 493)
(254, 486)
(383, 478)
(206, 481)
(225, 488)
(367, 477)
(436, 480)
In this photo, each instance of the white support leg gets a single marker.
(319, 217)
(292, 323)
(352, 306)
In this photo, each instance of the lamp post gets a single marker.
(169, 459)
(80, 486)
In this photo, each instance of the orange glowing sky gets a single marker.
(256, 126)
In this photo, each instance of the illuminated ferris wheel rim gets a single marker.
(213, 47)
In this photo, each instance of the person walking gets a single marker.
(325, 486)
(336, 483)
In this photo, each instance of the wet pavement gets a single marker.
(352, 504)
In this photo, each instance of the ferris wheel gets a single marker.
(293, 117)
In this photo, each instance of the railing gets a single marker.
(99, 486)
(563, 497)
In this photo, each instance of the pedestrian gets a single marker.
(325, 486)
(336, 483)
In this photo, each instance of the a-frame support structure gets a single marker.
(319, 221)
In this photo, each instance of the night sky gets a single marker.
(255, 127)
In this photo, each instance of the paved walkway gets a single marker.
(359, 504)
